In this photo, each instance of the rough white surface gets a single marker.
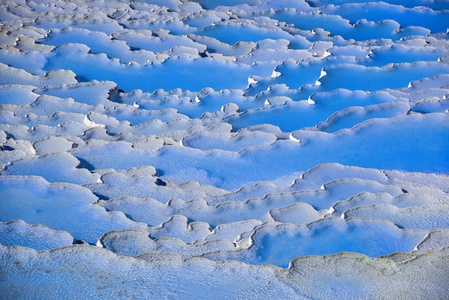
(179, 135)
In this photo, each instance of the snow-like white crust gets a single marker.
(195, 141)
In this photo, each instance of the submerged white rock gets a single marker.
(198, 141)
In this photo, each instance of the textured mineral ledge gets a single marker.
(224, 149)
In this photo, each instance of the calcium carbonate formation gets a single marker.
(214, 149)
